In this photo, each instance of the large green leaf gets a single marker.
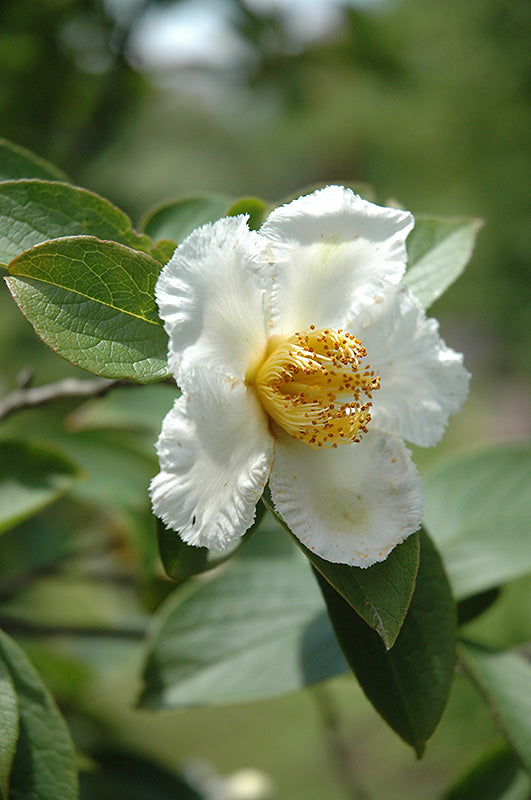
(18, 162)
(33, 211)
(258, 629)
(8, 727)
(31, 477)
(496, 776)
(93, 303)
(478, 510)
(380, 594)
(438, 252)
(177, 219)
(409, 684)
(504, 678)
(44, 763)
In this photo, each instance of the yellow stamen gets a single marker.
(313, 386)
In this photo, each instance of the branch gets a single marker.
(24, 627)
(70, 387)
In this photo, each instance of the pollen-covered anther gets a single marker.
(314, 386)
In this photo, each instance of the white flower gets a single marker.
(303, 361)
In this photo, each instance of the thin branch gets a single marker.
(27, 628)
(339, 749)
(70, 387)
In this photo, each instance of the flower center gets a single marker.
(314, 387)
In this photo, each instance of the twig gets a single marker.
(339, 749)
(27, 628)
(70, 387)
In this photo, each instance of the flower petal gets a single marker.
(211, 298)
(215, 452)
(350, 505)
(422, 381)
(332, 251)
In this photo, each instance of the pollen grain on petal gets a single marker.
(313, 385)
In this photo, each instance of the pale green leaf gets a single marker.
(257, 630)
(175, 220)
(438, 252)
(93, 303)
(504, 679)
(478, 510)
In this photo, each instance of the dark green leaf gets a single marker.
(504, 678)
(31, 477)
(409, 684)
(126, 776)
(34, 211)
(253, 206)
(181, 560)
(478, 511)
(472, 607)
(93, 303)
(496, 776)
(438, 251)
(379, 594)
(8, 727)
(44, 764)
(177, 219)
(257, 630)
(18, 162)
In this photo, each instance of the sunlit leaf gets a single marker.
(504, 679)
(44, 763)
(379, 594)
(31, 477)
(8, 727)
(409, 684)
(18, 162)
(253, 206)
(93, 303)
(478, 511)
(257, 630)
(177, 219)
(438, 252)
(34, 211)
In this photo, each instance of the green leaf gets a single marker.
(31, 477)
(409, 684)
(44, 764)
(478, 510)
(18, 162)
(256, 630)
(496, 776)
(504, 679)
(438, 252)
(177, 219)
(181, 560)
(34, 211)
(8, 727)
(379, 594)
(472, 607)
(253, 206)
(126, 776)
(93, 303)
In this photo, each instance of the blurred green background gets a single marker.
(143, 101)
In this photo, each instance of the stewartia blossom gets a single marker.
(303, 361)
